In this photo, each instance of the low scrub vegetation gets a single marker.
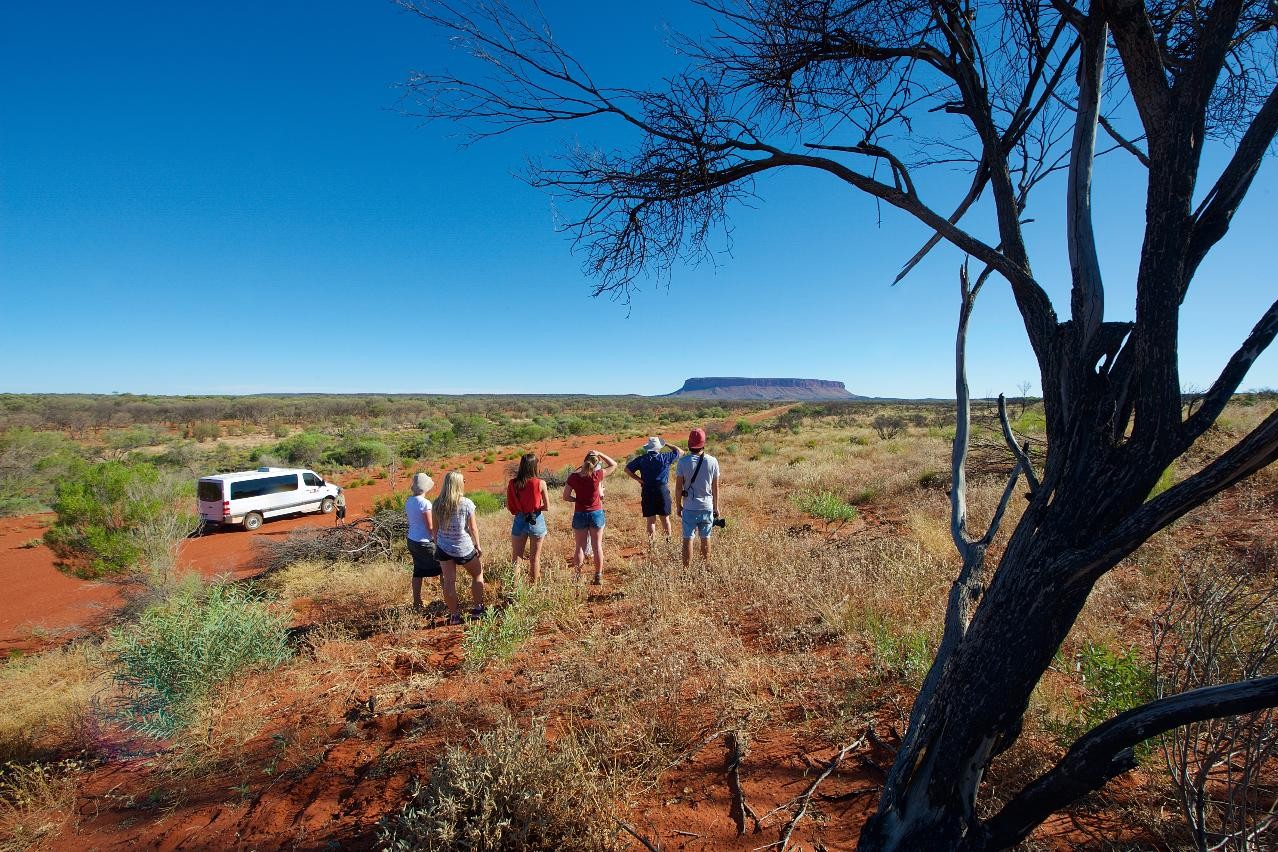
(511, 790)
(184, 647)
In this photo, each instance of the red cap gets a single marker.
(696, 439)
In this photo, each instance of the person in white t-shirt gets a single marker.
(697, 494)
(457, 543)
(421, 535)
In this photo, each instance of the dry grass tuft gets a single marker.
(45, 701)
(37, 802)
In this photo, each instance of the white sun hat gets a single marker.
(654, 444)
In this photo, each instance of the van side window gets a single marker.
(263, 486)
(311, 479)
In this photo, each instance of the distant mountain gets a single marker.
(784, 390)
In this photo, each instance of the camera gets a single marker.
(720, 522)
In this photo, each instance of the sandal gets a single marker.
(479, 611)
(454, 619)
(596, 580)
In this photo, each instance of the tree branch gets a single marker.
(1021, 454)
(1142, 63)
(1106, 751)
(1257, 450)
(1087, 298)
(1213, 402)
(1218, 207)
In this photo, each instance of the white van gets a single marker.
(248, 497)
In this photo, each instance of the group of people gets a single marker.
(443, 536)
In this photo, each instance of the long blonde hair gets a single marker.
(590, 462)
(450, 495)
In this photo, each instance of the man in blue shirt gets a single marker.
(652, 470)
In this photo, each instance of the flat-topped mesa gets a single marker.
(738, 387)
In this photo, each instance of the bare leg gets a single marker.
(596, 541)
(579, 554)
(534, 559)
(448, 585)
(417, 593)
(705, 548)
(476, 569)
(517, 543)
(665, 526)
(652, 527)
(687, 552)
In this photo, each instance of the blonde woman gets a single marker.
(457, 543)
(584, 490)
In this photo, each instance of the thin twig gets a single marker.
(806, 798)
(630, 829)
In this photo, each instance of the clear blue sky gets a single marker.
(223, 198)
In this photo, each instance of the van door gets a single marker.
(208, 498)
(312, 487)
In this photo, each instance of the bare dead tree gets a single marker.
(1220, 627)
(877, 95)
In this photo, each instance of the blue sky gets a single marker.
(224, 198)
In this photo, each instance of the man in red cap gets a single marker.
(697, 490)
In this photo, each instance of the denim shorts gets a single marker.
(588, 520)
(697, 521)
(521, 525)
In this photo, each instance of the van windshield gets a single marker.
(209, 490)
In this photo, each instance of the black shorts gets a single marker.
(445, 556)
(424, 562)
(655, 502)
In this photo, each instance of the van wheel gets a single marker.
(252, 521)
(326, 505)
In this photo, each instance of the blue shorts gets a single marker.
(697, 521)
(536, 527)
(588, 520)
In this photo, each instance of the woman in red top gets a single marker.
(527, 498)
(585, 490)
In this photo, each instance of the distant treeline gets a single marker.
(81, 412)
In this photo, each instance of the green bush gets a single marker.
(31, 464)
(205, 431)
(825, 505)
(514, 792)
(360, 452)
(486, 502)
(182, 648)
(108, 514)
(391, 503)
(305, 449)
(1115, 682)
(500, 633)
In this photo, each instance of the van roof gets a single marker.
(253, 474)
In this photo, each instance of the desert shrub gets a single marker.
(360, 452)
(934, 479)
(500, 633)
(305, 449)
(31, 464)
(557, 478)
(897, 648)
(515, 791)
(280, 430)
(44, 702)
(486, 502)
(743, 427)
(1219, 628)
(120, 442)
(390, 503)
(343, 592)
(37, 802)
(182, 648)
(825, 505)
(888, 426)
(206, 430)
(1113, 682)
(114, 516)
